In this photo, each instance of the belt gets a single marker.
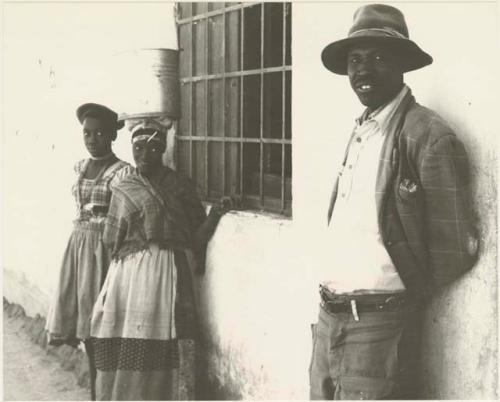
(364, 303)
(96, 209)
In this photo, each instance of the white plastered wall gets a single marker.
(259, 294)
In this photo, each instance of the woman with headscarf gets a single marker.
(85, 260)
(143, 323)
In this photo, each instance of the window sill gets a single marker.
(252, 213)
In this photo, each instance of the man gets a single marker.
(399, 224)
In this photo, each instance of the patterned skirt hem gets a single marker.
(135, 354)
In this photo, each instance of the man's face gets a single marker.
(374, 73)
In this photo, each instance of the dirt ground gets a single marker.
(29, 373)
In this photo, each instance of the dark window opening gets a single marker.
(234, 136)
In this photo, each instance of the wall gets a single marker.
(257, 298)
(259, 294)
(50, 67)
(460, 345)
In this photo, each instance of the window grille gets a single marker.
(234, 136)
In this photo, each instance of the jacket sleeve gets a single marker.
(452, 240)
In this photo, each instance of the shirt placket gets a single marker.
(347, 172)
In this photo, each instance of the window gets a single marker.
(234, 136)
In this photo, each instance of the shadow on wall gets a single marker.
(460, 320)
(208, 387)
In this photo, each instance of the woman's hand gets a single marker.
(224, 205)
(207, 229)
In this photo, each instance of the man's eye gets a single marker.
(353, 60)
(379, 57)
(99, 134)
(85, 133)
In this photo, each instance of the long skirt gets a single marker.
(82, 273)
(140, 349)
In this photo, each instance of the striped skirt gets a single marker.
(137, 349)
(83, 268)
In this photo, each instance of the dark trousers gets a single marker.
(373, 358)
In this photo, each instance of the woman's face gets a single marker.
(97, 136)
(148, 155)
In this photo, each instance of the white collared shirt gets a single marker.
(357, 258)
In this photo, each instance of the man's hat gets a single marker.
(376, 24)
(99, 111)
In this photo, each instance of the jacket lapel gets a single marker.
(387, 161)
(389, 153)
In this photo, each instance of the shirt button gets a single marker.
(358, 139)
(343, 194)
(350, 166)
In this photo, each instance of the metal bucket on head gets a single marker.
(151, 77)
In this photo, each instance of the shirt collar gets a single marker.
(383, 114)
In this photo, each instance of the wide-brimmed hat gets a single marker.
(99, 111)
(376, 24)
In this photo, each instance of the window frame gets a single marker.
(260, 202)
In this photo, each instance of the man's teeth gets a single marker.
(366, 86)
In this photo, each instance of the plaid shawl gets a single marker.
(141, 212)
(422, 197)
(96, 192)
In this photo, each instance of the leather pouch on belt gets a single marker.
(356, 388)
(314, 338)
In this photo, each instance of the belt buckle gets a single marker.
(89, 207)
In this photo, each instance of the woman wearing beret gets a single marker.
(143, 323)
(85, 260)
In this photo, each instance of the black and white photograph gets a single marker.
(249, 200)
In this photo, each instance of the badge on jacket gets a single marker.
(407, 189)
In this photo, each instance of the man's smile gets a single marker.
(365, 87)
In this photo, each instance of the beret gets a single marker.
(98, 111)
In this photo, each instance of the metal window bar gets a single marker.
(242, 42)
(191, 101)
(257, 71)
(265, 140)
(261, 156)
(223, 108)
(213, 13)
(283, 107)
(207, 98)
